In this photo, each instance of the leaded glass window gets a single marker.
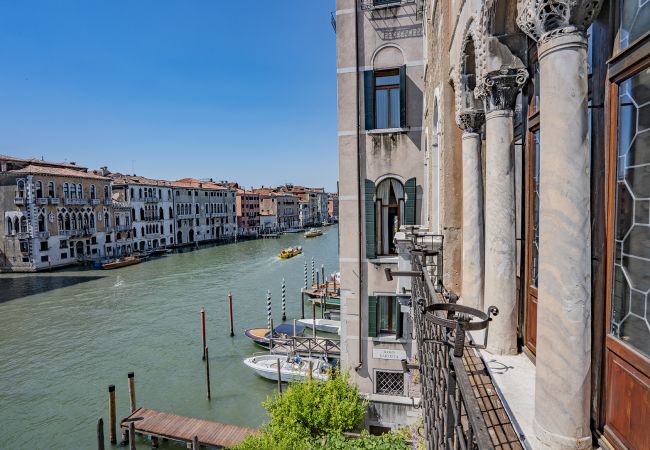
(534, 260)
(635, 21)
(631, 308)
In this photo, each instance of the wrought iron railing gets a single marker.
(452, 415)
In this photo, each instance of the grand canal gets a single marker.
(66, 335)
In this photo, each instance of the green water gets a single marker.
(66, 335)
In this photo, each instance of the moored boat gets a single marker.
(313, 232)
(291, 368)
(324, 325)
(122, 262)
(290, 252)
(261, 336)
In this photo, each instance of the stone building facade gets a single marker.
(536, 128)
(248, 212)
(380, 75)
(55, 214)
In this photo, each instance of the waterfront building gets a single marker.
(312, 212)
(304, 214)
(151, 204)
(536, 176)
(333, 206)
(54, 214)
(248, 212)
(380, 74)
(205, 211)
(268, 222)
(282, 205)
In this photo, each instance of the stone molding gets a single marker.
(539, 18)
(500, 88)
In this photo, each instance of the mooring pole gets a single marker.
(203, 331)
(279, 378)
(313, 277)
(305, 274)
(207, 370)
(111, 414)
(313, 318)
(268, 309)
(294, 327)
(132, 435)
(232, 323)
(100, 434)
(322, 272)
(284, 301)
(302, 305)
(131, 377)
(317, 280)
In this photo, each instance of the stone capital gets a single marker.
(500, 88)
(471, 121)
(539, 17)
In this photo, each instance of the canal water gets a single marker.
(66, 335)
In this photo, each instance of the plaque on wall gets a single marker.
(388, 353)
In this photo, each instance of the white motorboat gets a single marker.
(291, 368)
(325, 325)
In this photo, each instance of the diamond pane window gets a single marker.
(389, 383)
(635, 21)
(631, 305)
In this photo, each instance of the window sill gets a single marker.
(388, 339)
(388, 131)
(384, 260)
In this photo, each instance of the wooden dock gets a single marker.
(306, 346)
(150, 422)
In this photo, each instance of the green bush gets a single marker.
(314, 415)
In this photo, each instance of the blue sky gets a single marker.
(239, 90)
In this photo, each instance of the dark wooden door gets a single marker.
(532, 241)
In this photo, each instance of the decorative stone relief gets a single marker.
(471, 121)
(466, 101)
(500, 88)
(540, 17)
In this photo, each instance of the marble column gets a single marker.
(563, 360)
(500, 91)
(472, 257)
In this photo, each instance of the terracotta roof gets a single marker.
(41, 162)
(199, 184)
(118, 178)
(33, 169)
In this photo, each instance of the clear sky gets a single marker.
(238, 90)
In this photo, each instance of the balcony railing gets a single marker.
(41, 201)
(452, 414)
(151, 199)
(19, 201)
(53, 200)
(377, 4)
(78, 232)
(108, 201)
(75, 201)
(42, 235)
(95, 201)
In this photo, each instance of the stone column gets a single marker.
(472, 257)
(500, 91)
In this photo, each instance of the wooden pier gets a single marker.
(162, 425)
(306, 346)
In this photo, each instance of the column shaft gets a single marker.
(564, 295)
(500, 236)
(472, 265)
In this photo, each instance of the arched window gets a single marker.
(80, 220)
(74, 221)
(50, 189)
(117, 221)
(92, 220)
(39, 189)
(80, 192)
(23, 224)
(10, 227)
(68, 224)
(171, 212)
(197, 208)
(41, 223)
(142, 231)
(93, 194)
(389, 213)
(66, 190)
(133, 214)
(107, 192)
(140, 192)
(135, 233)
(141, 214)
(159, 193)
(16, 225)
(178, 210)
(60, 222)
(171, 228)
(107, 220)
(20, 189)
(161, 213)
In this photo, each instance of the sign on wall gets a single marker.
(388, 353)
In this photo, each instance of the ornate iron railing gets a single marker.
(452, 415)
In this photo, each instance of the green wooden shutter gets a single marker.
(409, 205)
(373, 310)
(402, 96)
(371, 246)
(400, 319)
(369, 98)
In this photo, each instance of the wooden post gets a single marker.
(203, 331)
(131, 377)
(132, 435)
(317, 280)
(284, 301)
(111, 414)
(207, 370)
(322, 271)
(302, 304)
(195, 443)
(100, 434)
(294, 327)
(232, 323)
(313, 318)
(279, 378)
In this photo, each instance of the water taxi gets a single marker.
(294, 368)
(290, 252)
(313, 232)
(121, 262)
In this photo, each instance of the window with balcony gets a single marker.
(20, 189)
(93, 193)
(39, 189)
(50, 190)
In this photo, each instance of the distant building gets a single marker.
(54, 214)
(333, 206)
(248, 212)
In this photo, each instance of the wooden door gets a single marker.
(532, 241)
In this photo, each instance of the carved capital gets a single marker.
(500, 88)
(538, 17)
(471, 121)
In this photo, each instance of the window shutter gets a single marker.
(402, 96)
(399, 329)
(371, 245)
(373, 309)
(369, 98)
(409, 207)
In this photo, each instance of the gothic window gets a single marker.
(92, 192)
(107, 220)
(41, 223)
(23, 224)
(39, 189)
(20, 189)
(92, 220)
(68, 224)
(66, 190)
(50, 189)
(80, 192)
(389, 210)
(10, 227)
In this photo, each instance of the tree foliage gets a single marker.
(314, 416)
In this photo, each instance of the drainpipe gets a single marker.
(359, 190)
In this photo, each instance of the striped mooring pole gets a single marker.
(313, 271)
(284, 301)
(268, 307)
(305, 274)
